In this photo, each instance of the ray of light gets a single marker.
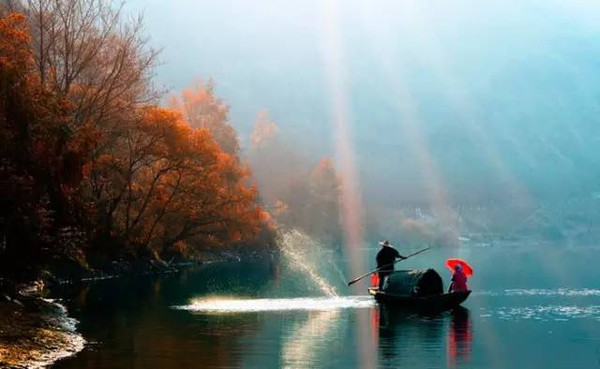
(336, 79)
(455, 91)
(351, 210)
(408, 116)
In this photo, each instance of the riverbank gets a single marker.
(145, 267)
(35, 332)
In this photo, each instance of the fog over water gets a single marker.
(472, 127)
(476, 101)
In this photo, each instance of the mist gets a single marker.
(450, 107)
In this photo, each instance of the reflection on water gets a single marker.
(405, 337)
(305, 342)
(460, 337)
(520, 317)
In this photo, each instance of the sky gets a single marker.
(417, 101)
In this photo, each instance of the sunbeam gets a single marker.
(408, 116)
(341, 116)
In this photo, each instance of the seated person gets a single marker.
(459, 280)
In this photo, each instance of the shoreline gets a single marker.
(36, 332)
(40, 331)
(146, 267)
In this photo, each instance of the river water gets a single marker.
(532, 306)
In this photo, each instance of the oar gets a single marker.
(385, 266)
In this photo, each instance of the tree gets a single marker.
(296, 194)
(89, 165)
(174, 185)
(201, 108)
(264, 131)
(312, 201)
(39, 166)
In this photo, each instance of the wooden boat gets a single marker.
(441, 302)
(418, 289)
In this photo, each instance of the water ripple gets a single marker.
(553, 292)
(568, 292)
(550, 313)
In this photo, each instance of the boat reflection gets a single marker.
(460, 337)
(409, 338)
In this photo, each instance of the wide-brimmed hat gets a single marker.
(385, 243)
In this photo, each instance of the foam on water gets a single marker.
(233, 305)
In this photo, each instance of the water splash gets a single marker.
(234, 305)
(291, 243)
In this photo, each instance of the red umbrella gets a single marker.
(452, 263)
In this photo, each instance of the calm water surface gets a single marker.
(531, 307)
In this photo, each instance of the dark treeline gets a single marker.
(91, 168)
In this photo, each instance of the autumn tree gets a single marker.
(296, 194)
(265, 130)
(201, 108)
(89, 165)
(276, 162)
(174, 187)
(87, 55)
(202, 199)
(312, 202)
(325, 193)
(39, 157)
(85, 51)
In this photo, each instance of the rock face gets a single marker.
(35, 332)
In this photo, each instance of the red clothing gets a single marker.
(459, 281)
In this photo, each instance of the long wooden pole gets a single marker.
(385, 266)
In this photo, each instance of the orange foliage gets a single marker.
(180, 188)
(81, 156)
(312, 202)
(201, 108)
(15, 54)
(264, 130)
(307, 198)
(41, 157)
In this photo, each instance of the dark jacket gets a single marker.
(387, 255)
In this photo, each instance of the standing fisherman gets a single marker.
(386, 257)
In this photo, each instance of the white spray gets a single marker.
(292, 242)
